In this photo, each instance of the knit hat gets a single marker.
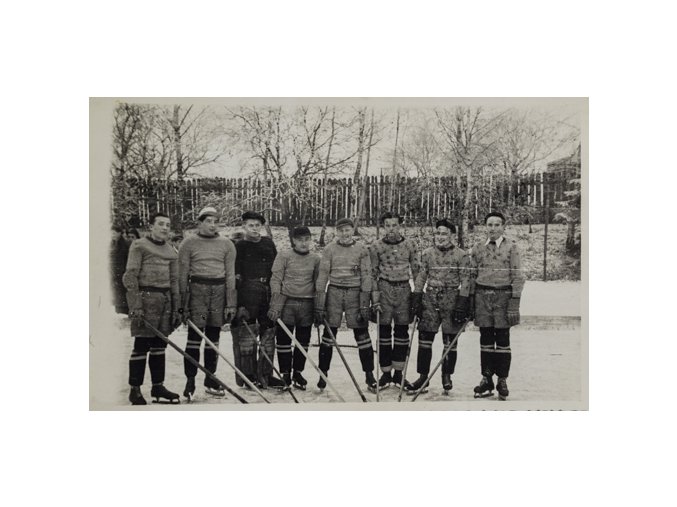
(253, 215)
(208, 211)
(344, 221)
(299, 232)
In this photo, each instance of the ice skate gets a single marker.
(135, 396)
(215, 391)
(370, 380)
(276, 383)
(163, 395)
(502, 388)
(287, 379)
(385, 380)
(446, 383)
(397, 378)
(298, 381)
(485, 389)
(189, 390)
(418, 383)
(321, 384)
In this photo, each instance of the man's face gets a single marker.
(159, 230)
(495, 228)
(252, 228)
(392, 227)
(345, 233)
(442, 236)
(302, 244)
(208, 226)
(116, 235)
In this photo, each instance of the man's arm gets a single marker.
(130, 279)
(230, 265)
(414, 262)
(516, 273)
(277, 274)
(422, 276)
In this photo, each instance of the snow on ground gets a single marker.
(546, 372)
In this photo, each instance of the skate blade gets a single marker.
(447, 392)
(502, 398)
(412, 393)
(299, 387)
(484, 395)
(174, 401)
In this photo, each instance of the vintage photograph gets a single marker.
(338, 254)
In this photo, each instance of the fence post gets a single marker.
(546, 196)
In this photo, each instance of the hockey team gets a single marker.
(272, 300)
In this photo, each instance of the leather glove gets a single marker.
(177, 319)
(242, 313)
(277, 302)
(138, 315)
(229, 313)
(416, 305)
(320, 312)
(375, 306)
(460, 313)
(365, 307)
(513, 311)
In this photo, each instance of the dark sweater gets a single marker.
(254, 260)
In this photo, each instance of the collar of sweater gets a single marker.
(300, 253)
(352, 242)
(205, 236)
(399, 240)
(155, 241)
(445, 249)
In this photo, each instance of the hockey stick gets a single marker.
(345, 363)
(312, 363)
(406, 361)
(265, 354)
(439, 363)
(216, 349)
(194, 362)
(378, 355)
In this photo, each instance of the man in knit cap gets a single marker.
(151, 280)
(445, 272)
(498, 277)
(207, 284)
(344, 285)
(394, 262)
(255, 257)
(292, 286)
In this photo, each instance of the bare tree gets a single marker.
(470, 137)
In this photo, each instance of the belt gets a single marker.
(488, 287)
(153, 289)
(260, 280)
(444, 287)
(344, 288)
(394, 282)
(207, 281)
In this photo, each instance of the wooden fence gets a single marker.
(418, 200)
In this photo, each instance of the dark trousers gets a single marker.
(211, 356)
(425, 353)
(495, 353)
(286, 350)
(364, 347)
(154, 348)
(393, 355)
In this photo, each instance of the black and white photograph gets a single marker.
(339, 254)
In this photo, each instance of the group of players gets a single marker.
(213, 280)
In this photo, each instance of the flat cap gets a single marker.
(253, 215)
(445, 223)
(299, 232)
(208, 211)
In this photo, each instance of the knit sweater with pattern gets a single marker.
(151, 264)
(393, 260)
(294, 274)
(208, 257)
(498, 266)
(345, 266)
(448, 267)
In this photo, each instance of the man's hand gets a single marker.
(460, 313)
(416, 306)
(229, 313)
(513, 311)
(274, 314)
(242, 313)
(137, 316)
